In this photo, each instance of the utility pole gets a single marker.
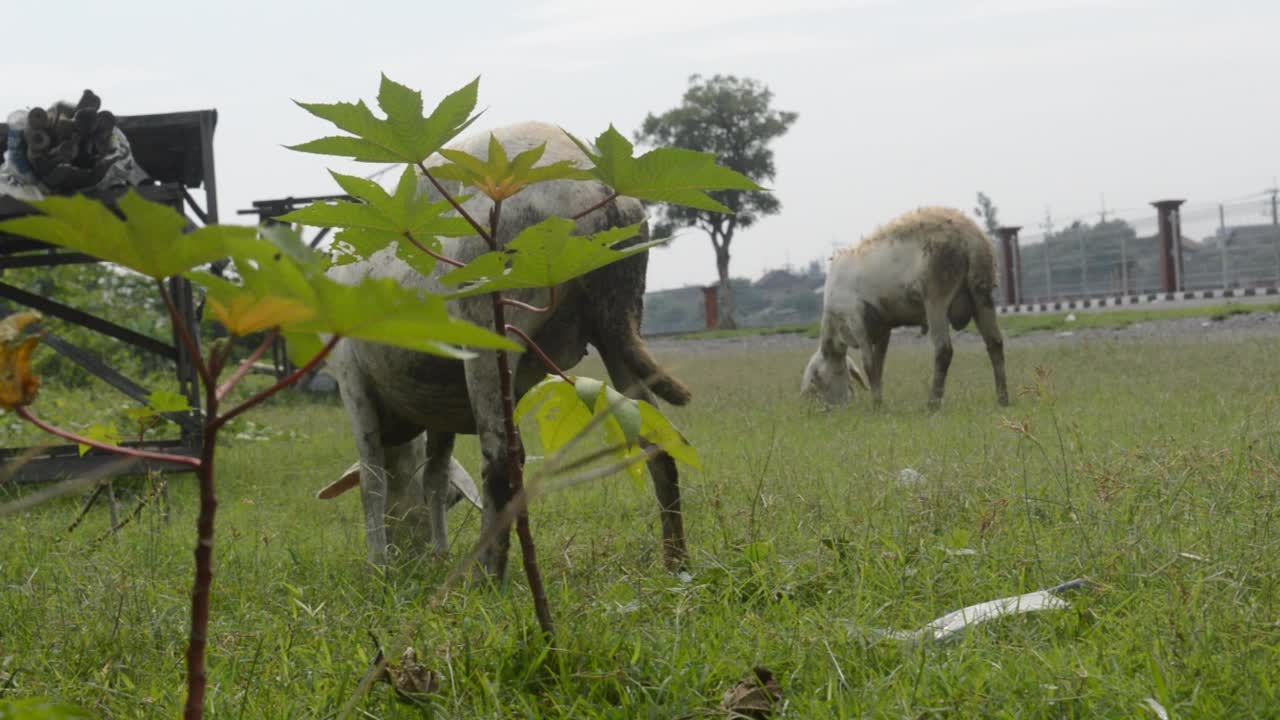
(1102, 214)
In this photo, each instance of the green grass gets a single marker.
(1147, 466)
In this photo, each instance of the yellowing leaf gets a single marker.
(244, 313)
(18, 385)
(500, 178)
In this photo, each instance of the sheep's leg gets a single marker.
(662, 468)
(873, 360)
(408, 522)
(486, 405)
(373, 476)
(435, 480)
(940, 336)
(985, 317)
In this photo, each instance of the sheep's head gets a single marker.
(830, 378)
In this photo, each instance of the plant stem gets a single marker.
(487, 235)
(26, 414)
(515, 477)
(515, 461)
(247, 364)
(597, 206)
(284, 382)
(534, 347)
(551, 303)
(197, 678)
(442, 258)
(184, 334)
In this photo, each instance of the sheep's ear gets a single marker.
(349, 480)
(856, 373)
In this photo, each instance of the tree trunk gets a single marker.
(725, 305)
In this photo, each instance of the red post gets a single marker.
(709, 305)
(1008, 235)
(1169, 245)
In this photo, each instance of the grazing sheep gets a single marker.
(393, 396)
(929, 267)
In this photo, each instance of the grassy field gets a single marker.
(1148, 467)
(1016, 325)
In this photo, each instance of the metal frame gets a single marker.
(176, 149)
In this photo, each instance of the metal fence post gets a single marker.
(1124, 266)
(1048, 269)
(1084, 264)
(1008, 235)
(1164, 221)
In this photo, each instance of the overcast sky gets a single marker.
(1039, 103)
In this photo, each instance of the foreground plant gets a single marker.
(282, 288)
(529, 260)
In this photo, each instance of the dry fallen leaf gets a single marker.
(18, 385)
(754, 697)
(410, 679)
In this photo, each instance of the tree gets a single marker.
(986, 212)
(730, 117)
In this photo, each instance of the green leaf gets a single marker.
(673, 175)
(102, 433)
(139, 414)
(544, 255)
(556, 408)
(601, 399)
(382, 219)
(404, 135)
(301, 347)
(500, 178)
(655, 428)
(380, 310)
(279, 290)
(563, 411)
(149, 240)
(167, 401)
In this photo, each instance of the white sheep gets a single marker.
(930, 267)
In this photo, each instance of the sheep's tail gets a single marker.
(982, 263)
(616, 307)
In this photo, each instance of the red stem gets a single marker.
(457, 206)
(247, 364)
(533, 308)
(184, 334)
(514, 464)
(433, 253)
(515, 477)
(197, 678)
(284, 382)
(25, 414)
(595, 207)
(534, 347)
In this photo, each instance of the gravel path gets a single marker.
(1259, 324)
